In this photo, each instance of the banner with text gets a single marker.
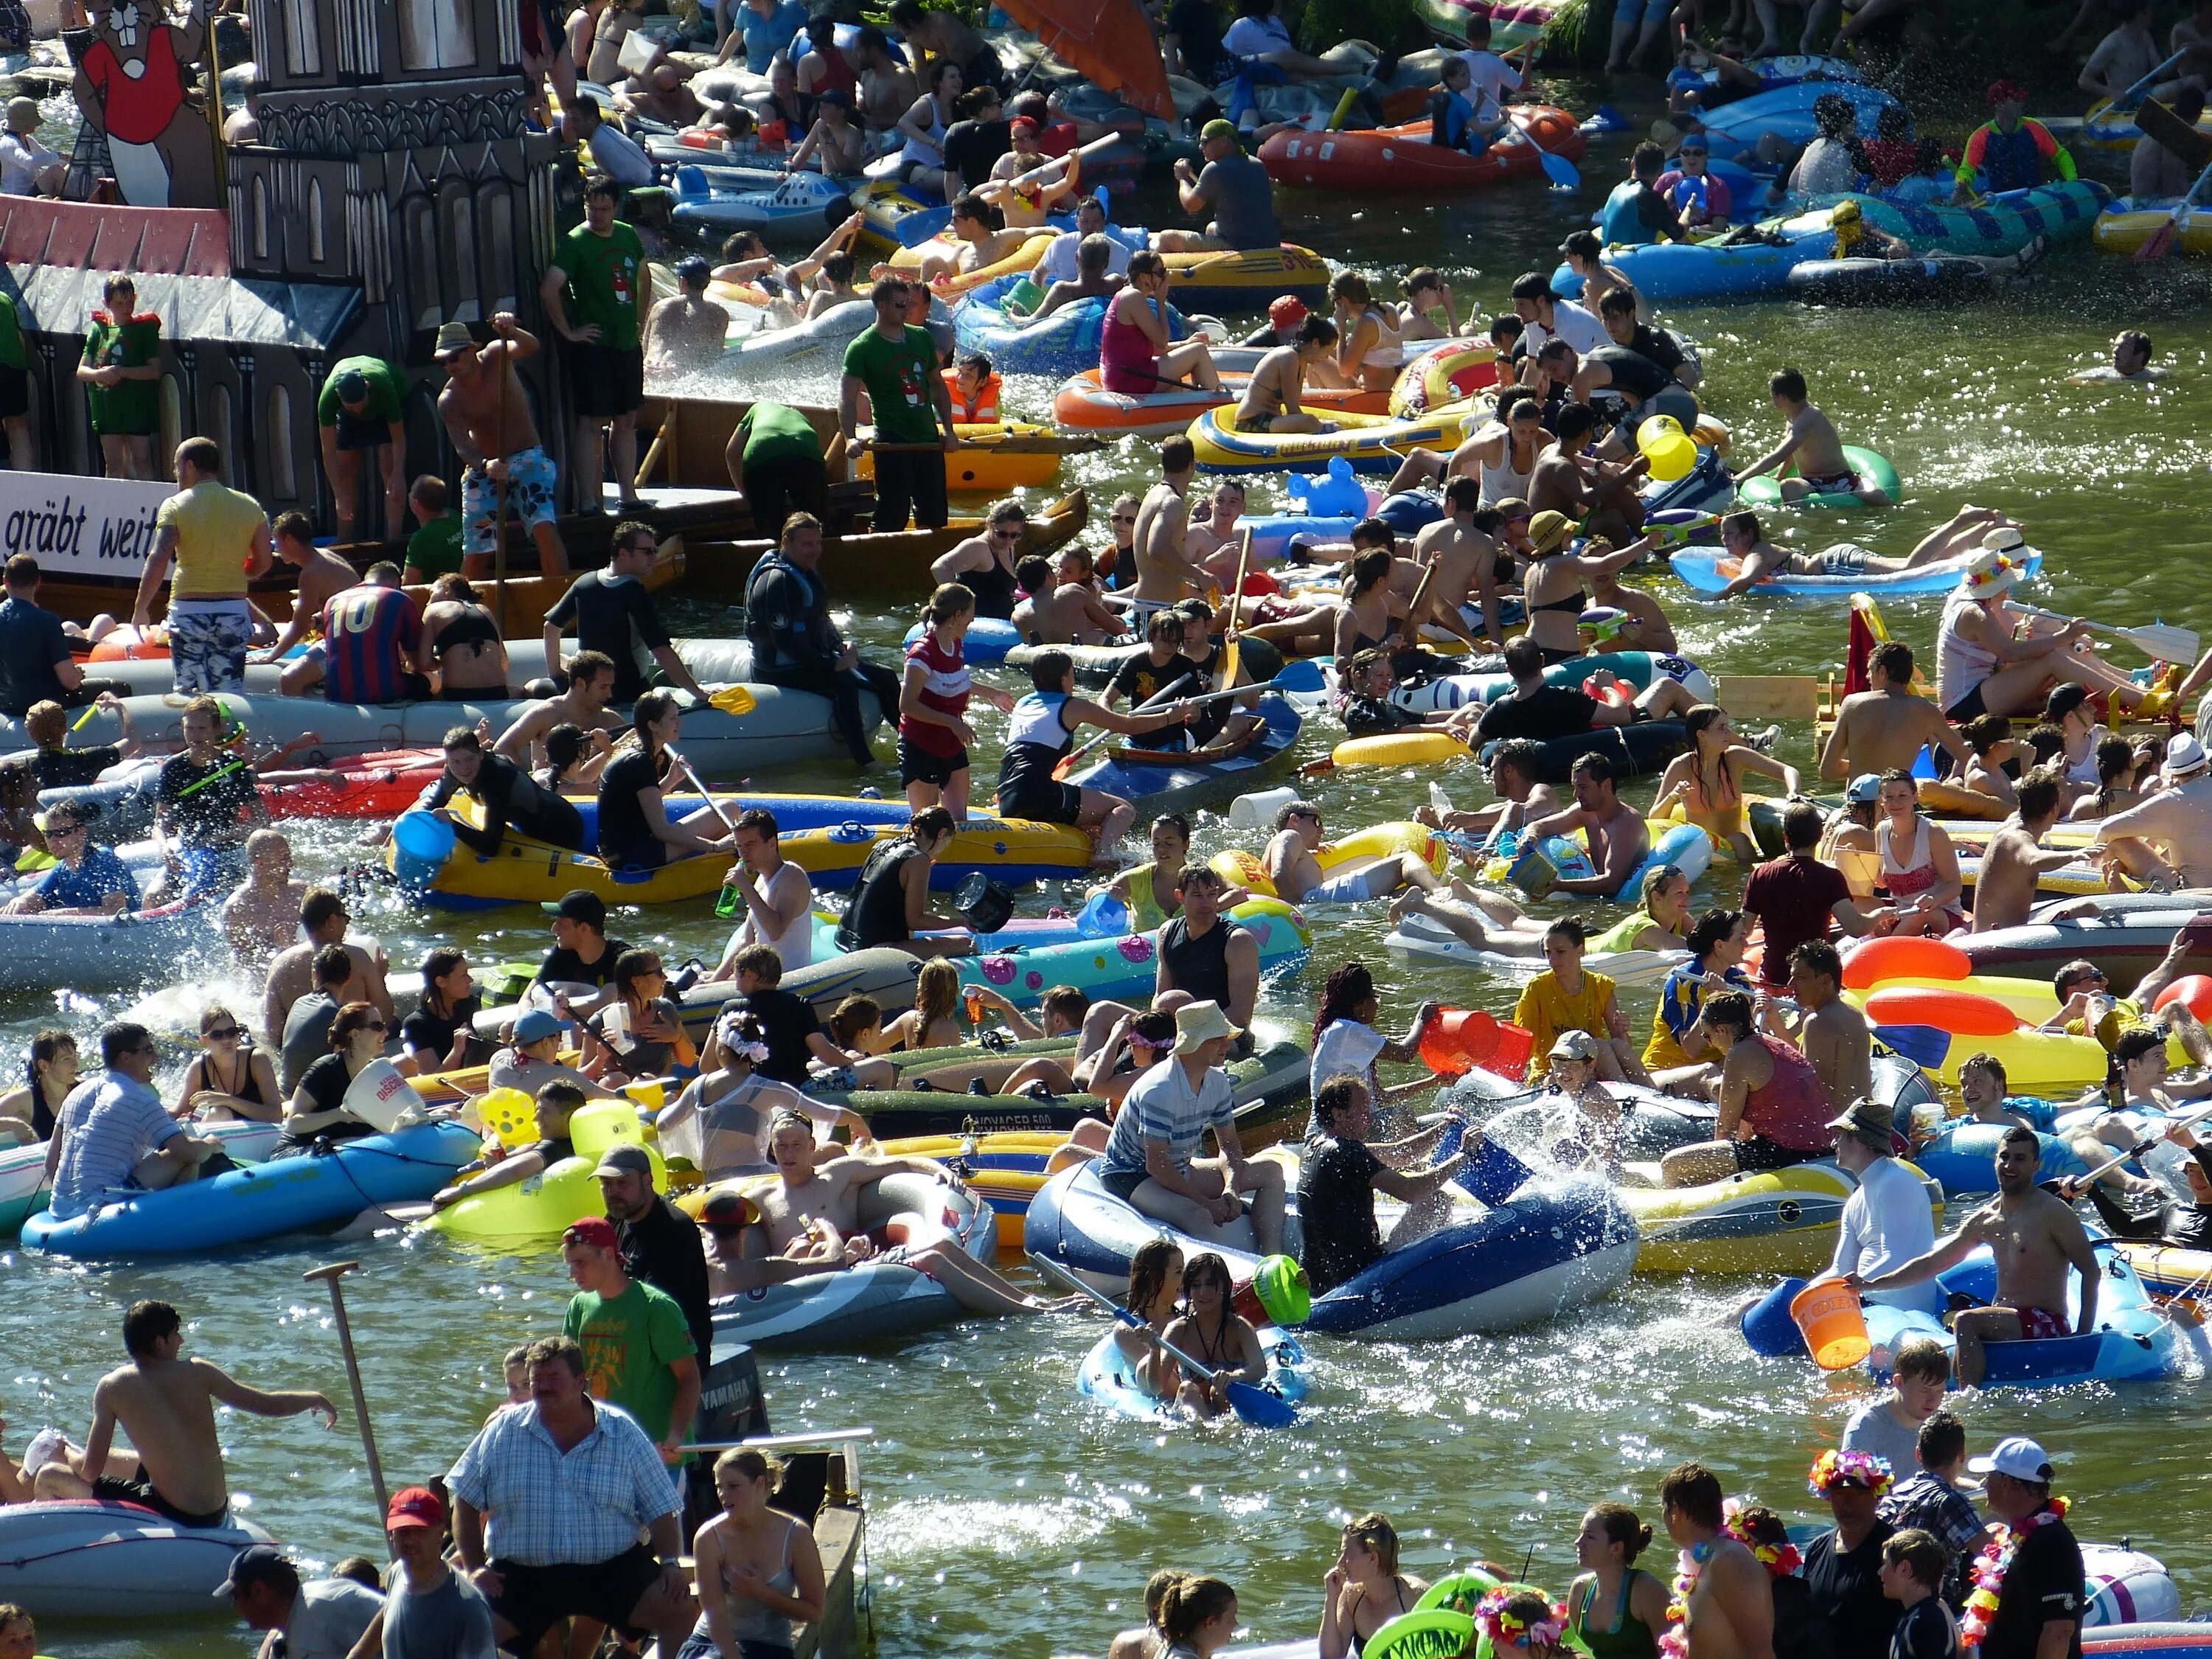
(77, 526)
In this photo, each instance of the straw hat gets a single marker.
(1990, 573)
(1198, 1023)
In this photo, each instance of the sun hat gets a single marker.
(1868, 1119)
(1990, 573)
(1548, 530)
(1198, 1023)
(453, 338)
(2183, 755)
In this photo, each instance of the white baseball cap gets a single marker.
(2018, 1456)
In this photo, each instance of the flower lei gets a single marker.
(1990, 1567)
(1833, 1469)
(1780, 1560)
(1505, 1631)
(1675, 1642)
(754, 1051)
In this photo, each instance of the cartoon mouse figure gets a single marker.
(132, 85)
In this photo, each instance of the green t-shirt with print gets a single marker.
(386, 395)
(900, 375)
(603, 282)
(629, 1344)
(434, 550)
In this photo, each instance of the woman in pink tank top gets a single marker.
(1136, 357)
(1774, 1110)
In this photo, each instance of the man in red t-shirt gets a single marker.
(1795, 896)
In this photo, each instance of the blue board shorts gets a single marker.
(532, 483)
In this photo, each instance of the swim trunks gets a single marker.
(1834, 483)
(2039, 1324)
(140, 1491)
(208, 640)
(530, 483)
(1348, 888)
(1843, 559)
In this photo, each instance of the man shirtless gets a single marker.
(1883, 730)
(1598, 495)
(1062, 609)
(487, 415)
(1520, 798)
(1961, 535)
(1810, 457)
(1464, 554)
(1834, 1036)
(980, 243)
(584, 705)
(1613, 830)
(887, 87)
(1297, 874)
(261, 917)
(323, 577)
(2166, 841)
(1730, 1610)
(1212, 542)
(686, 329)
(1647, 628)
(2015, 856)
(2035, 1238)
(809, 1222)
(1164, 572)
(164, 1405)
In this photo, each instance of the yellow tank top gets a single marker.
(215, 528)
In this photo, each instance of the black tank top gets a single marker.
(994, 587)
(249, 1087)
(43, 1121)
(877, 915)
(1200, 966)
(473, 626)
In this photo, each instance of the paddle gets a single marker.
(2161, 240)
(736, 699)
(2133, 96)
(1257, 1407)
(700, 784)
(1304, 675)
(2144, 1146)
(1233, 651)
(1067, 760)
(2165, 641)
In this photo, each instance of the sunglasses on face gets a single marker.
(223, 1034)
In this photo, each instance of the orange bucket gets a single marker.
(1458, 1040)
(1835, 1329)
(1511, 1057)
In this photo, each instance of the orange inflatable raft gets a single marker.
(1392, 160)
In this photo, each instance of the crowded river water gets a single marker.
(1008, 1517)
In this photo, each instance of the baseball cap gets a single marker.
(625, 1158)
(1287, 312)
(579, 904)
(255, 1563)
(594, 1230)
(535, 1025)
(2015, 1455)
(417, 1506)
(1025, 125)
(1865, 790)
(693, 269)
(1573, 1045)
(2063, 700)
(1217, 129)
(729, 1209)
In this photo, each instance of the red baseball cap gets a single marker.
(595, 1230)
(417, 1506)
(1288, 312)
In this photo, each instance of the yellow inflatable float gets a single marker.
(997, 456)
(1371, 443)
(1011, 849)
(1243, 869)
(1778, 1221)
(1993, 1015)
(540, 1209)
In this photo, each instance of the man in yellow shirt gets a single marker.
(217, 539)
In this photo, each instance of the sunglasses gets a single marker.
(221, 1033)
(372, 1025)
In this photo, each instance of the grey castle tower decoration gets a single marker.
(394, 159)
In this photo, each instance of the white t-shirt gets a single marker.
(1059, 264)
(1346, 1048)
(1493, 78)
(621, 157)
(1888, 1222)
(1571, 323)
(1255, 37)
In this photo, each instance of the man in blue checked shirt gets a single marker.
(86, 880)
(548, 1501)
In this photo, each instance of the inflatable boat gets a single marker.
(1157, 781)
(88, 1559)
(1105, 1377)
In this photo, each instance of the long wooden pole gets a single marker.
(330, 1276)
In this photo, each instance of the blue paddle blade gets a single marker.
(1302, 675)
(916, 227)
(1561, 171)
(1259, 1408)
(1923, 1045)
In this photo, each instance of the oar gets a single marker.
(1257, 1407)
(2161, 240)
(1304, 675)
(2145, 1145)
(330, 1276)
(1067, 760)
(2167, 641)
(1232, 652)
(700, 784)
(2127, 99)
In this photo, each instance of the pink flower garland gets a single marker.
(1674, 1641)
(1990, 1567)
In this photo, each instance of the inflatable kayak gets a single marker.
(1746, 1224)
(1873, 471)
(1248, 280)
(1927, 282)
(88, 1559)
(1105, 1377)
(2126, 939)
(1725, 267)
(1636, 669)
(1168, 780)
(1370, 443)
(286, 1195)
(783, 207)
(23, 1170)
(818, 343)
(1129, 967)
(988, 638)
(1422, 936)
(1708, 570)
(1012, 850)
(2002, 224)
(1962, 1157)
(877, 1300)
(1389, 160)
(2127, 225)
(1444, 373)
(1552, 1247)
(1548, 1131)
(1787, 112)
(944, 245)
(107, 953)
(1635, 750)
(1083, 404)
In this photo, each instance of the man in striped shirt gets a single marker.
(115, 1135)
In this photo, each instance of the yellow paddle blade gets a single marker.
(734, 700)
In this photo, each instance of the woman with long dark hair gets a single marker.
(1345, 1041)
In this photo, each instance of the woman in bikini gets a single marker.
(1370, 337)
(1212, 1332)
(1365, 1590)
(1919, 865)
(1616, 1607)
(1273, 399)
(1368, 618)
(933, 1021)
(1551, 586)
(1706, 783)
(463, 642)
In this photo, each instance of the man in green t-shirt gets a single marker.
(435, 548)
(596, 292)
(121, 368)
(776, 457)
(16, 389)
(362, 406)
(893, 365)
(637, 1348)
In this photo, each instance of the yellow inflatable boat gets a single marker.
(1243, 869)
(1779, 1221)
(1371, 443)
